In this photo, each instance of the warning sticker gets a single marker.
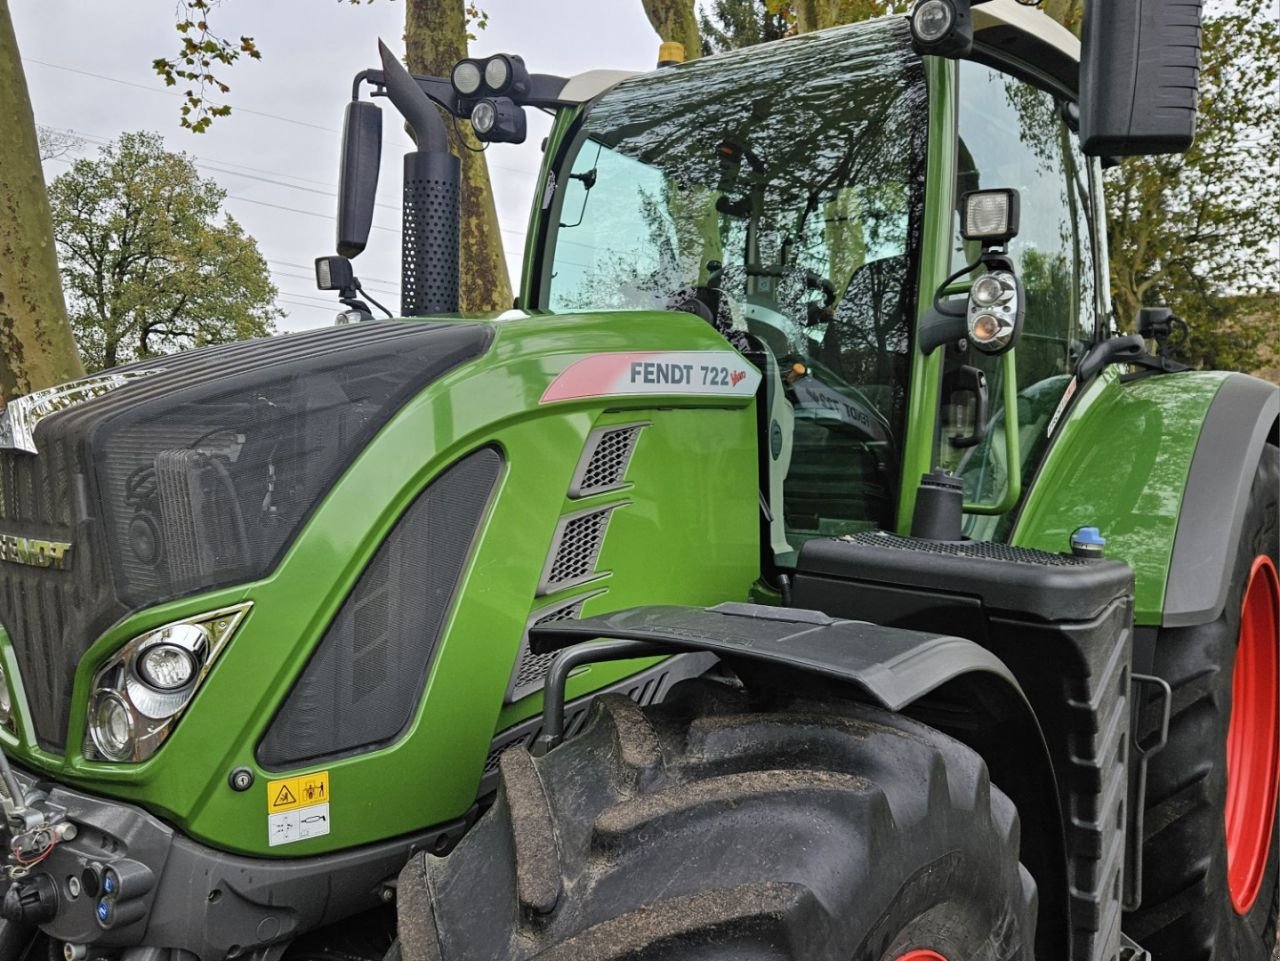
(313, 788)
(298, 825)
(284, 798)
(297, 792)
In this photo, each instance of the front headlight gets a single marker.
(111, 726)
(140, 693)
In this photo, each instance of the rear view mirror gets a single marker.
(1139, 76)
(358, 178)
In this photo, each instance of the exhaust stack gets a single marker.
(429, 253)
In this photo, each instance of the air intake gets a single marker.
(364, 682)
(605, 458)
(576, 548)
(530, 672)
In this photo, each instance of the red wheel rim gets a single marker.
(1253, 737)
(922, 954)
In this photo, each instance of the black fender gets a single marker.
(1240, 420)
(948, 682)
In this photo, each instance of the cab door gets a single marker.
(1014, 133)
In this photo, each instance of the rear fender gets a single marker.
(1242, 418)
(1162, 466)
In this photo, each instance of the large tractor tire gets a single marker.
(703, 829)
(1211, 850)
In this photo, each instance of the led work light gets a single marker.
(990, 216)
(502, 75)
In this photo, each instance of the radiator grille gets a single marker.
(367, 674)
(605, 459)
(50, 615)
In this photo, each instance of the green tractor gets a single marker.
(806, 567)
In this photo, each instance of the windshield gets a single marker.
(777, 193)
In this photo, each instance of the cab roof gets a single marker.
(1005, 28)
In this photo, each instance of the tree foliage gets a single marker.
(57, 144)
(200, 53)
(149, 262)
(1198, 231)
(728, 24)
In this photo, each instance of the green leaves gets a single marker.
(200, 53)
(150, 263)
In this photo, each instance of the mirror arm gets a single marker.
(938, 327)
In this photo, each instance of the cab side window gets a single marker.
(1013, 134)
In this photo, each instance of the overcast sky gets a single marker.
(88, 66)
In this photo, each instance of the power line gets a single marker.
(173, 93)
(281, 183)
(257, 113)
(295, 303)
(211, 162)
(311, 267)
(276, 272)
(296, 210)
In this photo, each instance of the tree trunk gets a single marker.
(675, 21)
(37, 348)
(435, 36)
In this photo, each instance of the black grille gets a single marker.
(578, 542)
(197, 476)
(983, 549)
(50, 615)
(605, 460)
(530, 673)
(364, 681)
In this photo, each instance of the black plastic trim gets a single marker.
(1240, 419)
(892, 667)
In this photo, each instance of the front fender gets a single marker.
(889, 666)
(948, 682)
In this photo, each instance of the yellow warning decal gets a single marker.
(313, 788)
(297, 792)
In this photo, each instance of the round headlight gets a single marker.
(987, 291)
(6, 699)
(932, 20)
(111, 726)
(167, 667)
(466, 78)
(483, 117)
(985, 328)
(497, 74)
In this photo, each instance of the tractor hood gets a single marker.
(182, 474)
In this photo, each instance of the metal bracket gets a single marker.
(553, 693)
(1143, 750)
